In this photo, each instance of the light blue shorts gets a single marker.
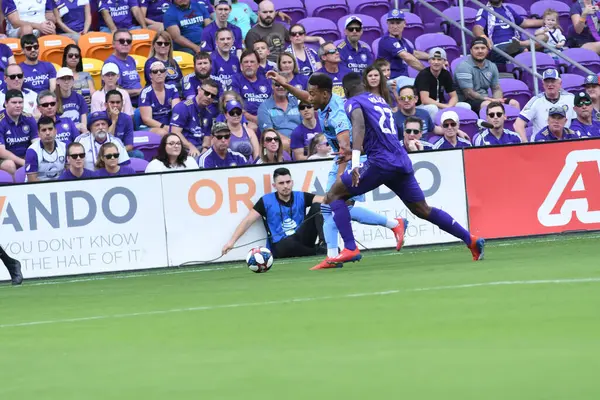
(333, 176)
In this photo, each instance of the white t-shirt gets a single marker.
(29, 100)
(536, 109)
(158, 166)
(92, 148)
(48, 166)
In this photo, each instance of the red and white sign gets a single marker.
(535, 189)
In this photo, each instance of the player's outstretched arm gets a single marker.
(246, 223)
(300, 94)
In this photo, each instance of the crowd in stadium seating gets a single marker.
(236, 104)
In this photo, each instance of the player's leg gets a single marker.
(13, 266)
(330, 231)
(368, 217)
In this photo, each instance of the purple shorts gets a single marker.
(398, 181)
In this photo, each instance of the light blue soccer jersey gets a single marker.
(334, 121)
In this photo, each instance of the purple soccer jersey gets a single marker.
(74, 17)
(66, 131)
(210, 159)
(546, 136)
(486, 138)
(160, 112)
(502, 33)
(124, 129)
(390, 48)
(586, 131)
(17, 137)
(123, 170)
(443, 143)
(300, 81)
(208, 37)
(355, 60)
(37, 77)
(224, 70)
(155, 9)
(174, 74)
(195, 121)
(337, 79)
(129, 78)
(120, 12)
(253, 93)
(301, 136)
(74, 106)
(68, 176)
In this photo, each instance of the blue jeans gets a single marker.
(136, 154)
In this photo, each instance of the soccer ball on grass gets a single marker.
(259, 259)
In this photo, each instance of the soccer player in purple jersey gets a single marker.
(387, 164)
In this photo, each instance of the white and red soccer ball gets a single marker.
(259, 259)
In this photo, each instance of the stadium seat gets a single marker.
(467, 118)
(332, 10)
(294, 8)
(6, 178)
(511, 115)
(140, 62)
(142, 41)
(56, 66)
(373, 8)
(375, 47)
(371, 28)
(139, 165)
(543, 62)
(518, 9)
(96, 45)
(94, 67)
(585, 57)
(572, 83)
(185, 61)
(454, 14)
(431, 40)
(455, 63)
(15, 46)
(147, 142)
(52, 48)
(20, 175)
(516, 90)
(321, 27)
(537, 11)
(427, 15)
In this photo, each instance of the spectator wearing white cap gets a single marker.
(71, 104)
(110, 77)
(536, 109)
(555, 128)
(435, 85)
(13, 76)
(450, 127)
(593, 89)
(355, 54)
(157, 100)
(584, 124)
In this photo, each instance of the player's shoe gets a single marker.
(14, 269)
(325, 265)
(477, 248)
(399, 232)
(346, 256)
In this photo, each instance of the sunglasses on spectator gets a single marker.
(158, 71)
(271, 139)
(75, 156)
(407, 98)
(176, 144)
(235, 113)
(354, 29)
(304, 106)
(495, 115)
(451, 124)
(209, 94)
(275, 84)
(332, 51)
(220, 137)
(324, 144)
(125, 41)
(163, 44)
(584, 103)
(297, 33)
(412, 131)
(30, 47)
(15, 76)
(73, 55)
(49, 104)
(111, 156)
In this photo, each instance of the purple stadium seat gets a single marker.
(332, 10)
(138, 165)
(375, 47)
(251, 3)
(585, 57)
(147, 142)
(455, 63)
(6, 178)
(516, 90)
(537, 10)
(454, 14)
(543, 62)
(468, 119)
(511, 115)
(519, 9)
(20, 175)
(373, 8)
(323, 27)
(431, 40)
(428, 15)
(572, 83)
(294, 8)
(371, 29)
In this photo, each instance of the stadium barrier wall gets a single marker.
(151, 221)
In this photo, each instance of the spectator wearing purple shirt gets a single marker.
(202, 70)
(264, 64)
(271, 150)
(286, 64)
(557, 119)
(495, 115)
(584, 125)
(162, 50)
(107, 163)
(222, 11)
(307, 58)
(17, 132)
(157, 100)
(254, 87)
(191, 119)
(243, 139)
(585, 27)
(397, 50)
(28, 17)
(450, 126)
(73, 19)
(76, 162)
(355, 54)
(219, 155)
(6, 58)
(333, 66)
(224, 64)
(129, 78)
(305, 132)
(66, 131)
(121, 125)
(39, 75)
(71, 104)
(120, 14)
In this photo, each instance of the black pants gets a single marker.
(302, 243)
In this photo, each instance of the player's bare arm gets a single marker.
(300, 94)
(358, 136)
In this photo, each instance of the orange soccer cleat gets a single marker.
(477, 248)
(399, 232)
(325, 264)
(346, 256)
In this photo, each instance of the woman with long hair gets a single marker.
(107, 163)
(110, 77)
(172, 156)
(75, 163)
(307, 58)
(70, 104)
(83, 82)
(376, 83)
(271, 150)
(319, 148)
(157, 100)
(243, 139)
(227, 96)
(162, 50)
(286, 63)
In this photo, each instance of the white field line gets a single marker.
(303, 300)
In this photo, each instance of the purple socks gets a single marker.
(341, 216)
(447, 224)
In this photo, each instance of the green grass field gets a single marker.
(427, 323)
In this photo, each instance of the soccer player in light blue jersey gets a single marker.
(338, 131)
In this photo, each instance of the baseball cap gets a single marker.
(12, 93)
(395, 14)
(581, 97)
(557, 111)
(232, 105)
(64, 71)
(352, 18)
(591, 80)
(110, 67)
(449, 115)
(437, 52)
(479, 40)
(219, 127)
(98, 116)
(551, 74)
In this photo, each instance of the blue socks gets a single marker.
(367, 217)
(448, 224)
(341, 216)
(330, 231)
